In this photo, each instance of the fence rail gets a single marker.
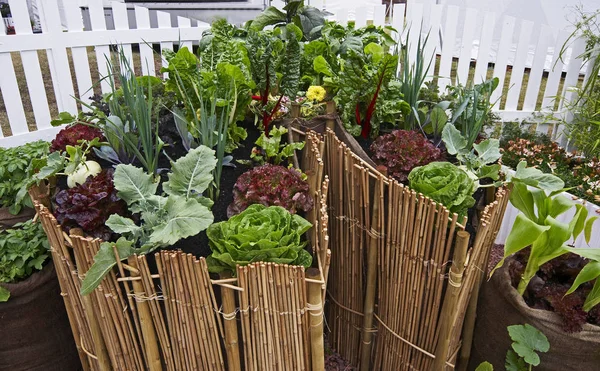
(467, 53)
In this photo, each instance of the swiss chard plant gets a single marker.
(274, 54)
(307, 18)
(181, 211)
(259, 233)
(23, 251)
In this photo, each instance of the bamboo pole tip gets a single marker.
(312, 272)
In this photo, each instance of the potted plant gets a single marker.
(15, 168)
(541, 277)
(34, 320)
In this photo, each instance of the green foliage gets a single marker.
(445, 183)
(308, 19)
(536, 224)
(485, 366)
(16, 170)
(480, 159)
(590, 272)
(259, 233)
(181, 211)
(527, 341)
(23, 251)
(274, 151)
(472, 108)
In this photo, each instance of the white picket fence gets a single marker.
(447, 42)
(56, 43)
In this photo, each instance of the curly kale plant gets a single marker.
(259, 233)
(403, 150)
(180, 212)
(23, 250)
(444, 183)
(271, 185)
(89, 205)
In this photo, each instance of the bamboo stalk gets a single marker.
(231, 331)
(153, 361)
(450, 301)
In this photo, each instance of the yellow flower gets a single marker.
(316, 93)
(199, 114)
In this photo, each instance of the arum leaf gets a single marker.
(536, 178)
(269, 16)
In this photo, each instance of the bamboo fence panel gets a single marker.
(402, 272)
(161, 312)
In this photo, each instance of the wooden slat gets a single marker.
(164, 21)
(448, 46)
(485, 43)
(398, 19)
(360, 17)
(464, 61)
(342, 16)
(81, 62)
(508, 26)
(183, 22)
(102, 51)
(142, 16)
(573, 69)
(537, 69)
(414, 28)
(31, 67)
(379, 15)
(432, 48)
(122, 24)
(555, 73)
(12, 101)
(58, 59)
(518, 69)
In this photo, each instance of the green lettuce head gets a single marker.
(259, 233)
(445, 183)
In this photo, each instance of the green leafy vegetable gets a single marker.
(527, 341)
(259, 233)
(273, 151)
(180, 212)
(445, 183)
(23, 251)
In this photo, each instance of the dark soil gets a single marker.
(334, 361)
(198, 245)
(547, 289)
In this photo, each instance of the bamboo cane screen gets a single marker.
(401, 274)
(162, 312)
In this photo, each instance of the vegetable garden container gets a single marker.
(165, 312)
(500, 305)
(35, 334)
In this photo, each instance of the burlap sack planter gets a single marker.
(8, 220)
(35, 334)
(500, 305)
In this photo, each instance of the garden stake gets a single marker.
(148, 333)
(315, 311)
(451, 300)
(231, 331)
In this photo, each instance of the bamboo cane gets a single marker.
(315, 311)
(153, 361)
(231, 330)
(450, 300)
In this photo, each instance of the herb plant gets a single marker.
(403, 150)
(23, 251)
(273, 151)
(445, 183)
(271, 185)
(15, 173)
(181, 211)
(259, 233)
